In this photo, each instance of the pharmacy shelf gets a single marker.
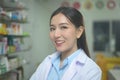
(10, 70)
(12, 53)
(8, 5)
(6, 19)
(9, 14)
(13, 36)
(13, 8)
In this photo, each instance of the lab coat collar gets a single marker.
(54, 55)
(49, 63)
(82, 57)
(75, 66)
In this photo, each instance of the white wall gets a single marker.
(90, 15)
(38, 27)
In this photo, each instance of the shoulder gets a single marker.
(87, 62)
(49, 58)
(43, 67)
(87, 66)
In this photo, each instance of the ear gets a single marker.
(80, 30)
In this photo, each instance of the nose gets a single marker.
(57, 33)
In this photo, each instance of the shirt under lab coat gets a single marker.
(81, 68)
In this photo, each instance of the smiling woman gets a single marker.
(71, 61)
(64, 35)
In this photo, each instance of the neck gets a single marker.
(66, 54)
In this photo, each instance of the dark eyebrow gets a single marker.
(63, 24)
(59, 24)
(51, 25)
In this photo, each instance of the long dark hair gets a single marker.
(76, 19)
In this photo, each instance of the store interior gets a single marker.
(25, 42)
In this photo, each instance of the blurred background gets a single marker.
(24, 35)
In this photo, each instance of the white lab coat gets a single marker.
(81, 68)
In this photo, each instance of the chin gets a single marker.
(59, 50)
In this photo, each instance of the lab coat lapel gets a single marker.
(75, 66)
(70, 73)
(48, 66)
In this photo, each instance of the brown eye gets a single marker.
(52, 29)
(64, 27)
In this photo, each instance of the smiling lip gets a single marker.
(59, 42)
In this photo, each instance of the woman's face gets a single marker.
(64, 34)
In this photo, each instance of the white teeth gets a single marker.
(58, 42)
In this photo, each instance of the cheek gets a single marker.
(71, 38)
(71, 34)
